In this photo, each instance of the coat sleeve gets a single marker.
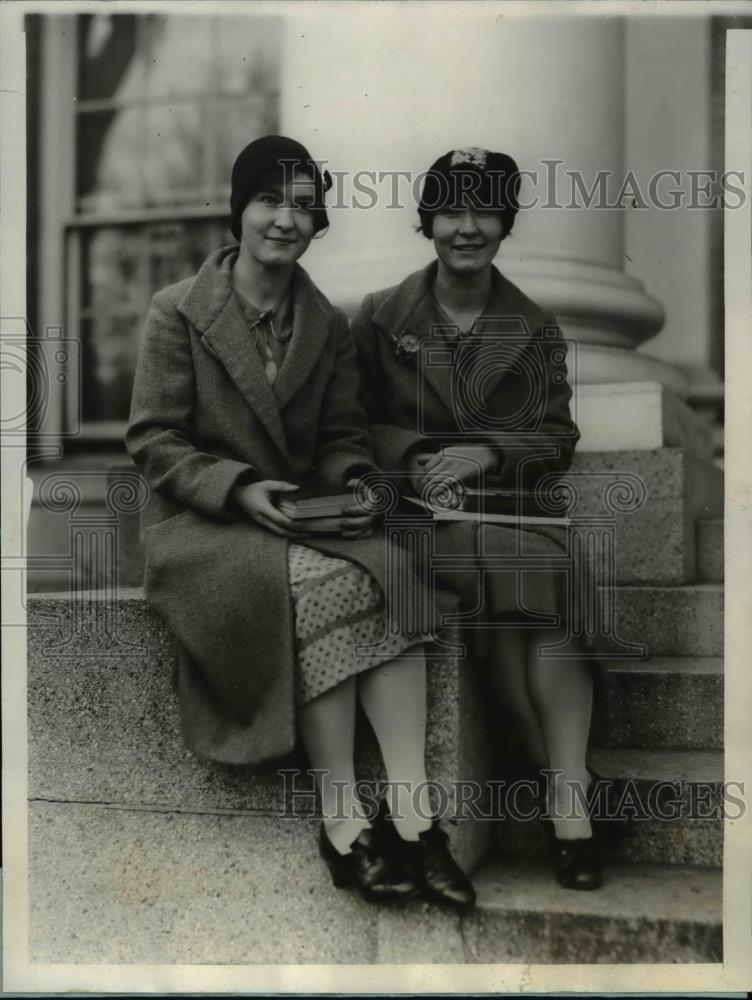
(344, 447)
(159, 436)
(394, 444)
(548, 445)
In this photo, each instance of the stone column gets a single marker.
(385, 90)
(671, 99)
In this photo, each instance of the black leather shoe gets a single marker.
(428, 861)
(578, 863)
(365, 868)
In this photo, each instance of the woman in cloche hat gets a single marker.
(246, 389)
(464, 382)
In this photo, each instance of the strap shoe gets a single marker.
(365, 868)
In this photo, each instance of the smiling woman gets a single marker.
(493, 410)
(246, 389)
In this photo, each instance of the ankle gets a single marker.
(410, 814)
(572, 828)
(342, 833)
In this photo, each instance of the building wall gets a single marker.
(362, 96)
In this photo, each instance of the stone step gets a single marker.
(675, 798)
(665, 702)
(643, 913)
(688, 827)
(671, 621)
(121, 886)
(103, 723)
(665, 491)
(710, 550)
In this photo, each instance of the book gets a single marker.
(313, 501)
(320, 525)
(525, 503)
(491, 507)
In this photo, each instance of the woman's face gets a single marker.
(466, 239)
(277, 223)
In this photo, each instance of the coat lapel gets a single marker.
(312, 320)
(214, 311)
(409, 310)
(501, 337)
(436, 348)
(480, 361)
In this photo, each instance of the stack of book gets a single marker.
(315, 508)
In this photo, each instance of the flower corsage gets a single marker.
(405, 346)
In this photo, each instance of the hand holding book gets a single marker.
(453, 501)
(466, 463)
(318, 510)
(256, 501)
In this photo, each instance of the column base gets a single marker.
(594, 364)
(637, 415)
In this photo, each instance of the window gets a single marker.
(161, 105)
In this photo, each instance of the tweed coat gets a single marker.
(505, 386)
(203, 419)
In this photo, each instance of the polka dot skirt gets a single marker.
(340, 622)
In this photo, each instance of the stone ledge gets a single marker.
(103, 722)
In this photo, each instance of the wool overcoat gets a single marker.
(504, 385)
(203, 419)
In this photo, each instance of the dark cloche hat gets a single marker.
(258, 160)
(489, 180)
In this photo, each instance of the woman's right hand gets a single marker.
(416, 466)
(255, 501)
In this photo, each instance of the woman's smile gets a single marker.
(466, 240)
(278, 222)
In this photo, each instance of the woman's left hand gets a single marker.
(464, 462)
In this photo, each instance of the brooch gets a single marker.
(405, 346)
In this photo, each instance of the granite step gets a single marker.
(710, 550)
(643, 913)
(103, 722)
(121, 886)
(675, 799)
(664, 492)
(671, 621)
(669, 702)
